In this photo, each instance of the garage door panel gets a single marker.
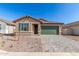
(53, 30)
(48, 31)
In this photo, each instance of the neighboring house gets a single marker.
(72, 28)
(6, 27)
(30, 26)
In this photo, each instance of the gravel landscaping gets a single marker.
(76, 38)
(21, 44)
(43, 43)
(58, 43)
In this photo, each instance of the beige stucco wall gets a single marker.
(60, 29)
(72, 30)
(31, 22)
(5, 28)
(75, 29)
(67, 31)
(10, 29)
(31, 30)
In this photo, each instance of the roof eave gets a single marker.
(25, 17)
(53, 23)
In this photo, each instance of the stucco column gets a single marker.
(30, 26)
(39, 29)
(60, 30)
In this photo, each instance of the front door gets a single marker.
(35, 26)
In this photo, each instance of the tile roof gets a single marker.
(45, 21)
(25, 17)
(7, 22)
(41, 20)
(73, 23)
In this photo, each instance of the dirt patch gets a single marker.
(43, 43)
(58, 43)
(72, 37)
(24, 44)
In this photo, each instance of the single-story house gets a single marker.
(31, 26)
(6, 27)
(71, 28)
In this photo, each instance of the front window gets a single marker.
(23, 26)
(0, 26)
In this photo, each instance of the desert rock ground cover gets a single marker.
(72, 37)
(24, 43)
(43, 43)
(58, 43)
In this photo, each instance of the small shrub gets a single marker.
(3, 42)
(2, 45)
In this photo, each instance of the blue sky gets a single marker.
(53, 12)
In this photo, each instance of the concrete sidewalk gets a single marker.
(2, 51)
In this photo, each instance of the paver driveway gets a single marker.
(58, 43)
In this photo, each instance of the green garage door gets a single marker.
(52, 30)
